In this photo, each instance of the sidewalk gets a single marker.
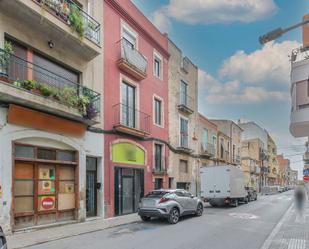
(35, 237)
(292, 232)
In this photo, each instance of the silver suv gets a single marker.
(170, 204)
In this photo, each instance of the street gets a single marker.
(247, 226)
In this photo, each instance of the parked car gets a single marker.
(252, 194)
(223, 185)
(3, 244)
(170, 204)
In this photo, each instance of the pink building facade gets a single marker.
(135, 107)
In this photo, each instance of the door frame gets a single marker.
(95, 189)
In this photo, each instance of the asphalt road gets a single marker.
(244, 227)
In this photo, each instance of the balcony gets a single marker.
(208, 150)
(132, 61)
(61, 21)
(184, 144)
(30, 85)
(236, 160)
(131, 121)
(299, 125)
(186, 103)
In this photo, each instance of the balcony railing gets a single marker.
(208, 149)
(131, 120)
(132, 61)
(186, 103)
(38, 80)
(70, 13)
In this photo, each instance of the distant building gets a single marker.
(273, 168)
(234, 132)
(284, 169)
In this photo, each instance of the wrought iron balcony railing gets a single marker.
(131, 118)
(208, 149)
(70, 13)
(186, 103)
(38, 80)
(133, 58)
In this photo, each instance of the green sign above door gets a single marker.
(128, 153)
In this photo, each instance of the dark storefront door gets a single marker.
(129, 188)
(91, 188)
(127, 194)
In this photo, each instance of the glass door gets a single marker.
(127, 195)
(128, 105)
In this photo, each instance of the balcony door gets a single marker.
(128, 115)
(183, 93)
(183, 133)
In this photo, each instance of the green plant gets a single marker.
(28, 84)
(76, 20)
(5, 58)
(68, 96)
(83, 101)
(47, 90)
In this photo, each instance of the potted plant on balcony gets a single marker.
(5, 61)
(76, 20)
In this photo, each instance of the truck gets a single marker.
(223, 185)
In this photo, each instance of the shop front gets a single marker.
(44, 185)
(129, 160)
(44, 176)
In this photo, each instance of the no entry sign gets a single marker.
(47, 203)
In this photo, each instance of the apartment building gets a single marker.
(299, 125)
(183, 102)
(273, 167)
(136, 120)
(251, 162)
(284, 166)
(223, 146)
(251, 130)
(50, 92)
(234, 131)
(208, 141)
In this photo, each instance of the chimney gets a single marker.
(306, 32)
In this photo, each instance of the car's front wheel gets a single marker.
(145, 218)
(199, 210)
(174, 216)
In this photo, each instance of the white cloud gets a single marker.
(217, 11)
(268, 64)
(161, 21)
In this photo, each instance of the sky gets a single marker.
(238, 77)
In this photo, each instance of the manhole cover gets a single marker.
(244, 216)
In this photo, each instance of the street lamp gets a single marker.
(276, 33)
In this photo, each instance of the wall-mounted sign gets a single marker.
(306, 171)
(47, 203)
(69, 188)
(46, 185)
(128, 153)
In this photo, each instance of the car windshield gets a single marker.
(156, 194)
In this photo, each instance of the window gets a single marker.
(183, 93)
(205, 139)
(183, 166)
(158, 111)
(221, 147)
(214, 142)
(157, 66)
(24, 151)
(158, 183)
(158, 157)
(183, 133)
(129, 37)
(128, 105)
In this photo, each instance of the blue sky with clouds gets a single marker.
(238, 77)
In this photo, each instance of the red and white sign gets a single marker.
(306, 178)
(48, 203)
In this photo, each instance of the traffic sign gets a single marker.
(306, 171)
(48, 203)
(306, 178)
